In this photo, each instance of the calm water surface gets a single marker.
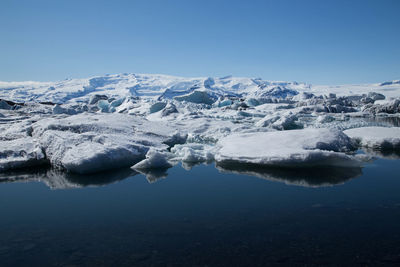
(203, 217)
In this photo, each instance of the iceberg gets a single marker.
(198, 97)
(85, 144)
(154, 160)
(381, 138)
(308, 147)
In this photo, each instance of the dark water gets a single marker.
(203, 217)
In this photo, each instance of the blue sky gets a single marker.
(321, 41)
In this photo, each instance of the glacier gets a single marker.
(151, 122)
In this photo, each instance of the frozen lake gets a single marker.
(204, 216)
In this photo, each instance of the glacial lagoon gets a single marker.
(203, 216)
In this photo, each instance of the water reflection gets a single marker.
(153, 175)
(57, 179)
(390, 121)
(383, 153)
(308, 177)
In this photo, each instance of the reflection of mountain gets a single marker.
(56, 179)
(308, 177)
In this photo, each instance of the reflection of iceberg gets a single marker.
(389, 120)
(383, 153)
(153, 175)
(56, 179)
(308, 177)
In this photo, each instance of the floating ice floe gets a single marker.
(308, 147)
(154, 160)
(88, 143)
(386, 138)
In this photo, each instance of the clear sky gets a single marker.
(316, 41)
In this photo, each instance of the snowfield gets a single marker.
(152, 122)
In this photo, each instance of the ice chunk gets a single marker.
(154, 160)
(4, 105)
(302, 96)
(277, 92)
(95, 98)
(376, 137)
(126, 106)
(89, 157)
(169, 109)
(286, 122)
(194, 153)
(88, 143)
(376, 96)
(306, 147)
(157, 107)
(390, 107)
(103, 105)
(20, 153)
(176, 138)
(58, 109)
(225, 102)
(117, 102)
(197, 96)
(267, 120)
(280, 121)
(252, 102)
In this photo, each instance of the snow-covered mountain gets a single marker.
(153, 86)
(146, 86)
